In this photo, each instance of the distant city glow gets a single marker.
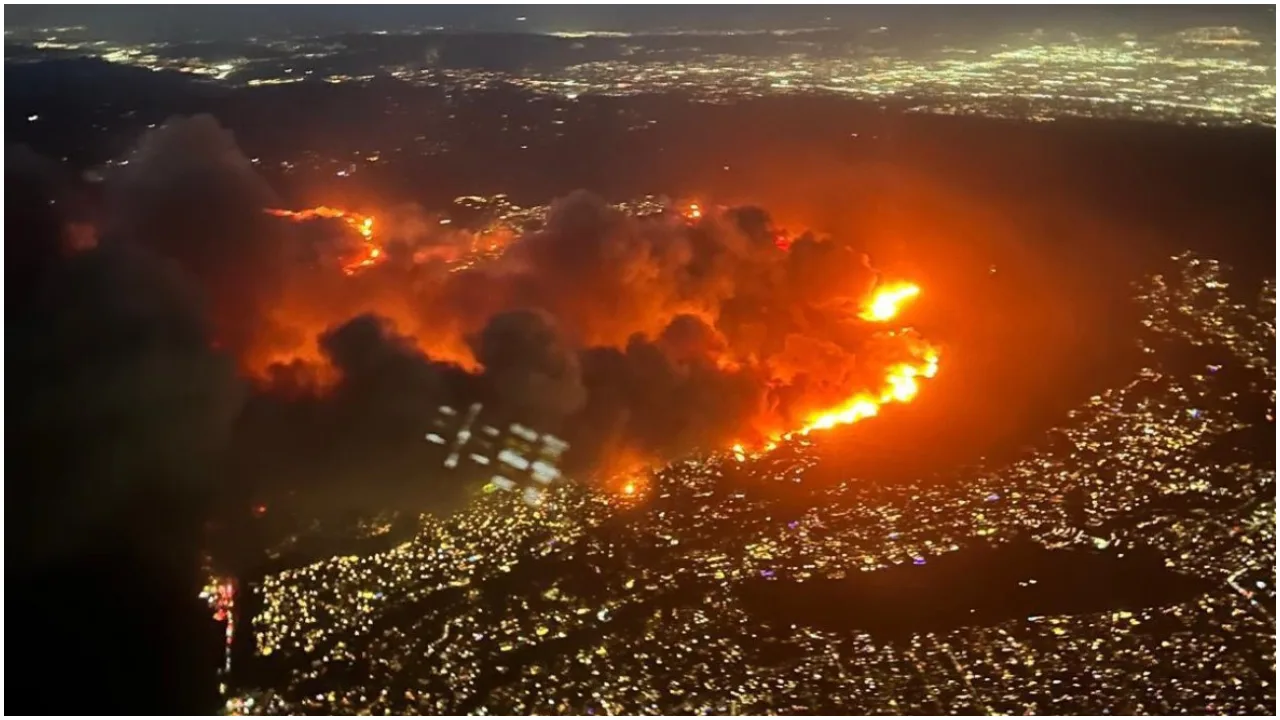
(1200, 75)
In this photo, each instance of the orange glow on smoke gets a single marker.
(311, 306)
(370, 253)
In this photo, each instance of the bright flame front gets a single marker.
(371, 251)
(901, 383)
(888, 300)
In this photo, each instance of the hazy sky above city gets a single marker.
(209, 22)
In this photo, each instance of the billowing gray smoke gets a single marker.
(118, 421)
(647, 336)
(116, 400)
(190, 195)
(530, 368)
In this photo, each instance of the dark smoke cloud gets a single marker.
(629, 336)
(657, 404)
(120, 397)
(602, 274)
(689, 339)
(117, 419)
(642, 337)
(529, 367)
(189, 194)
(358, 443)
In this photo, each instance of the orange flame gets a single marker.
(888, 300)
(901, 385)
(371, 252)
(901, 382)
(629, 489)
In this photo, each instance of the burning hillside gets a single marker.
(638, 336)
(787, 378)
(370, 251)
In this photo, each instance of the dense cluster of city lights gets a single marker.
(638, 602)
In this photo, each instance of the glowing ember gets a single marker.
(888, 300)
(691, 212)
(630, 490)
(370, 253)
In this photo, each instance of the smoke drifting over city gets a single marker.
(122, 398)
(631, 337)
(531, 362)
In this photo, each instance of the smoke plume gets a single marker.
(121, 399)
(629, 336)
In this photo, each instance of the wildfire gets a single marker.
(901, 382)
(901, 385)
(630, 489)
(371, 251)
(888, 300)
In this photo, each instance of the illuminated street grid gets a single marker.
(1203, 75)
(630, 605)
